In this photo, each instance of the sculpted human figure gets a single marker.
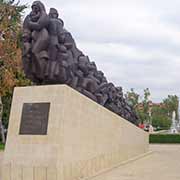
(26, 54)
(55, 28)
(55, 70)
(36, 22)
(65, 51)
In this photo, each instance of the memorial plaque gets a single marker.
(34, 119)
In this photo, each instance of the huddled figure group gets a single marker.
(50, 56)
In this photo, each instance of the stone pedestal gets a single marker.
(55, 133)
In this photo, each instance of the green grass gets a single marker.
(164, 138)
(2, 146)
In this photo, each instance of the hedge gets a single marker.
(164, 138)
(1, 146)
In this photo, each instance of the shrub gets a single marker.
(1, 146)
(164, 138)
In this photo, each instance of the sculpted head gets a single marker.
(38, 6)
(37, 10)
(53, 13)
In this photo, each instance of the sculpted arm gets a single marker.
(40, 24)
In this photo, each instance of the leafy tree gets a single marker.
(141, 115)
(146, 101)
(10, 51)
(171, 104)
(142, 111)
(160, 118)
(11, 73)
(132, 98)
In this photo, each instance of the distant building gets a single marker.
(150, 104)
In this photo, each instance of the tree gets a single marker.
(160, 118)
(10, 51)
(11, 73)
(141, 108)
(171, 104)
(159, 115)
(146, 101)
(132, 98)
(144, 112)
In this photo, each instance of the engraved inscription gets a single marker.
(34, 119)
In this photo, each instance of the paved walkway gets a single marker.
(162, 164)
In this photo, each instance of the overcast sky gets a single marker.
(136, 43)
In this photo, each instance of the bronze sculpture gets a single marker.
(50, 56)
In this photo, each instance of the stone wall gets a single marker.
(83, 138)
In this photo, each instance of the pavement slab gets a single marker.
(162, 164)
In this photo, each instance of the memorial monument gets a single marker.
(55, 132)
(50, 56)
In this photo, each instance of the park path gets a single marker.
(162, 164)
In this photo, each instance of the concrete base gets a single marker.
(83, 138)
